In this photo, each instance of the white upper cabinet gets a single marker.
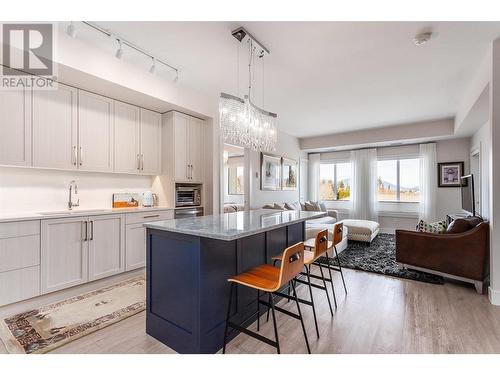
(127, 136)
(15, 127)
(196, 149)
(150, 142)
(181, 146)
(95, 132)
(188, 147)
(55, 128)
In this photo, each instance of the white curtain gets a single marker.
(314, 161)
(428, 182)
(364, 185)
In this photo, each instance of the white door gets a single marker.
(126, 138)
(196, 150)
(150, 142)
(15, 127)
(54, 114)
(64, 253)
(106, 246)
(95, 132)
(135, 254)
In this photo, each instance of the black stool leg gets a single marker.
(312, 300)
(227, 317)
(301, 319)
(326, 289)
(340, 268)
(268, 309)
(274, 322)
(258, 310)
(331, 280)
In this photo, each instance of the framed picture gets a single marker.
(270, 172)
(449, 174)
(289, 173)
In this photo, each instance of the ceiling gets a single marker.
(322, 77)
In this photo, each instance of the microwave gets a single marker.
(187, 195)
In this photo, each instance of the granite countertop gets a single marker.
(55, 214)
(234, 225)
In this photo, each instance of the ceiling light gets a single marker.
(71, 30)
(242, 123)
(153, 66)
(422, 38)
(176, 79)
(119, 51)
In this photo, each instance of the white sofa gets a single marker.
(313, 226)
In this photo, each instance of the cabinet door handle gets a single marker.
(75, 156)
(138, 162)
(151, 216)
(142, 162)
(86, 231)
(91, 230)
(81, 155)
(192, 168)
(187, 171)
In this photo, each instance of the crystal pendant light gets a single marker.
(243, 123)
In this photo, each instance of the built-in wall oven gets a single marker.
(187, 195)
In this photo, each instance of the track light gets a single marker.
(153, 66)
(119, 51)
(71, 30)
(176, 76)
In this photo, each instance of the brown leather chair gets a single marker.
(461, 253)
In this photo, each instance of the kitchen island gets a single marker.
(189, 261)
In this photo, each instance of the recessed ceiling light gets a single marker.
(422, 38)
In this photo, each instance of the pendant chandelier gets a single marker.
(242, 122)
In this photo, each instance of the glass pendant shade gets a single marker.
(244, 124)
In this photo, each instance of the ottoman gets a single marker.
(361, 230)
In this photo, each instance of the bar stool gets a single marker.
(320, 246)
(337, 238)
(268, 279)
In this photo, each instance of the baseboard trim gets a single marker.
(494, 296)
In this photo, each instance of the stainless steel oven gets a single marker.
(187, 195)
(188, 212)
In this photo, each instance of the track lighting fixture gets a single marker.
(153, 66)
(71, 30)
(119, 51)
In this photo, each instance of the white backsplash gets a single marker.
(26, 189)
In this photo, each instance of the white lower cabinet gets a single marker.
(64, 245)
(135, 253)
(106, 246)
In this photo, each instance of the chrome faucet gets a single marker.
(70, 200)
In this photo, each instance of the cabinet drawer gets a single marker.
(19, 252)
(19, 285)
(144, 217)
(19, 228)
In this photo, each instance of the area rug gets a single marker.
(380, 257)
(48, 327)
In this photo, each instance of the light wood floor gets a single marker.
(380, 315)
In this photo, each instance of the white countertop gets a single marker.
(234, 225)
(40, 214)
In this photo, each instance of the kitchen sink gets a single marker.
(67, 212)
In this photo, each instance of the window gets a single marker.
(335, 181)
(235, 180)
(399, 180)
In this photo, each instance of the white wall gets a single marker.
(481, 140)
(288, 146)
(28, 190)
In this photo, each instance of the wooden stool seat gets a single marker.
(264, 277)
(308, 257)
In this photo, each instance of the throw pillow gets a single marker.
(458, 226)
(322, 206)
(293, 206)
(279, 207)
(268, 206)
(439, 227)
(312, 206)
(302, 206)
